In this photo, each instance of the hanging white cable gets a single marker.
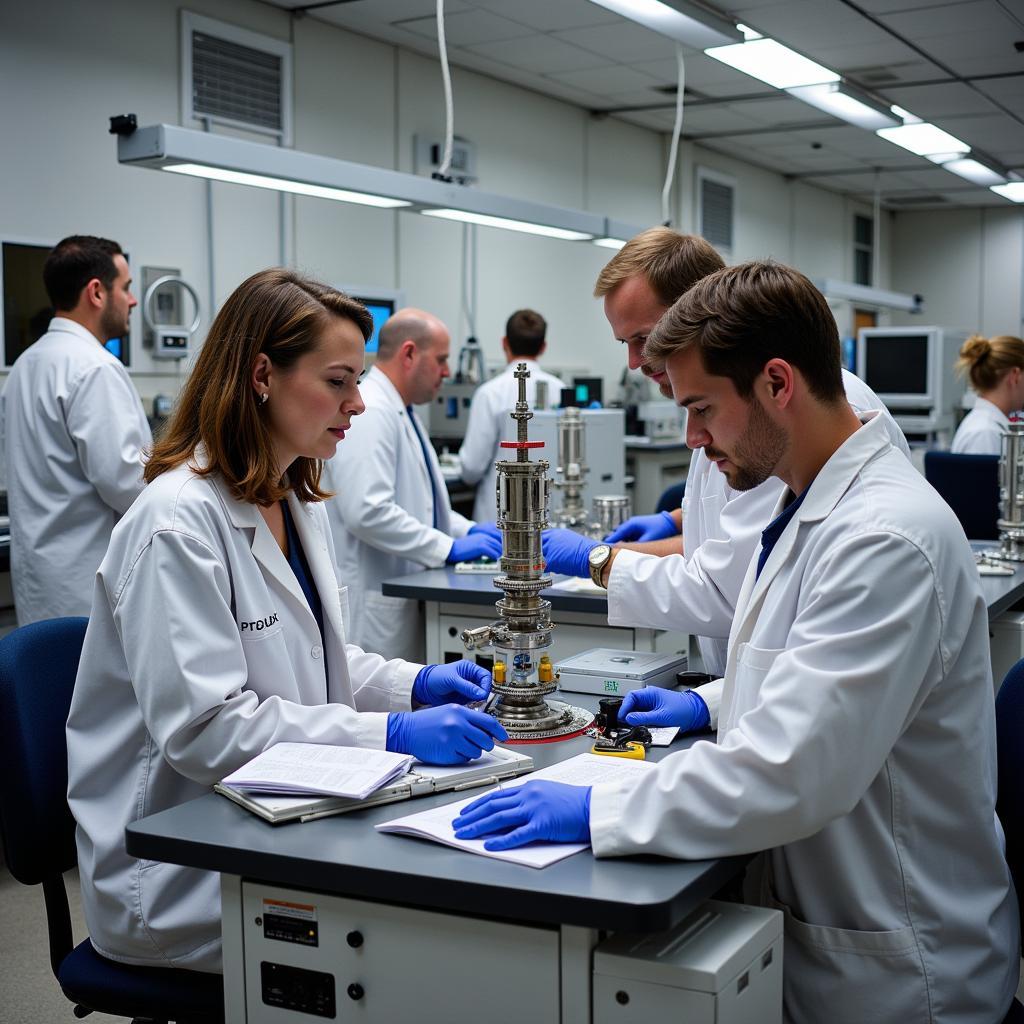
(670, 171)
(446, 77)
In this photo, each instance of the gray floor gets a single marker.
(29, 993)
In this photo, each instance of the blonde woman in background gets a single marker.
(995, 368)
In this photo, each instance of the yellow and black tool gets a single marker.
(615, 740)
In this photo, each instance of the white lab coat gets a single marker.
(856, 744)
(201, 652)
(982, 429)
(489, 423)
(382, 516)
(74, 433)
(697, 593)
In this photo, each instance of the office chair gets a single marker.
(38, 665)
(969, 484)
(671, 498)
(1010, 798)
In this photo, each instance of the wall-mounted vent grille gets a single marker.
(717, 211)
(236, 77)
(236, 83)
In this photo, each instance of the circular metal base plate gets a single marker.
(569, 721)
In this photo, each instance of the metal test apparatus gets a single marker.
(523, 674)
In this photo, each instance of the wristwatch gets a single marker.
(598, 559)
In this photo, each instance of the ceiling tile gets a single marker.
(806, 25)
(784, 110)
(991, 132)
(540, 53)
(945, 99)
(711, 120)
(546, 16)
(1008, 91)
(624, 42)
(607, 80)
(846, 57)
(467, 28)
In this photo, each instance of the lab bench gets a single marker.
(456, 601)
(411, 929)
(654, 466)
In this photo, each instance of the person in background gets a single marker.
(489, 421)
(391, 514)
(995, 368)
(856, 741)
(694, 591)
(74, 433)
(218, 621)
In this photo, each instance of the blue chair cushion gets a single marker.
(125, 990)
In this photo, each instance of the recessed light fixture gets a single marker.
(685, 22)
(848, 103)
(771, 62)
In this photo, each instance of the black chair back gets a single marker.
(969, 484)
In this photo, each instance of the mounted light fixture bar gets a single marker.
(1012, 190)
(975, 167)
(616, 234)
(770, 62)
(680, 20)
(924, 139)
(845, 101)
(222, 158)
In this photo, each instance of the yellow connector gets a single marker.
(544, 669)
(498, 672)
(635, 751)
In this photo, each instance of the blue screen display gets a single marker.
(380, 310)
(115, 346)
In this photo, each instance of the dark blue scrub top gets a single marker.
(297, 560)
(773, 531)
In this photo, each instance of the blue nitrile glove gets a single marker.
(450, 734)
(566, 552)
(655, 706)
(536, 810)
(474, 545)
(642, 528)
(459, 682)
(491, 529)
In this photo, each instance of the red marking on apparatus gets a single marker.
(550, 739)
(522, 444)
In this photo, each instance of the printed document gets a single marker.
(582, 770)
(320, 769)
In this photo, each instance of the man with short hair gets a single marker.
(74, 433)
(856, 740)
(391, 514)
(525, 341)
(720, 523)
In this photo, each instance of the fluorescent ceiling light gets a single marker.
(923, 139)
(229, 159)
(771, 62)
(678, 19)
(488, 221)
(301, 188)
(1014, 191)
(974, 170)
(610, 243)
(847, 102)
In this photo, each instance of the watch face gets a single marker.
(599, 555)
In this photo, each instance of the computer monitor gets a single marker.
(911, 369)
(588, 389)
(381, 302)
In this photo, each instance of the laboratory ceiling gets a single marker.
(956, 63)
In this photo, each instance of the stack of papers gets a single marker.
(582, 770)
(299, 769)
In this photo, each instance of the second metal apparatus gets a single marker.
(572, 470)
(1011, 495)
(523, 674)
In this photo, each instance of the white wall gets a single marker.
(967, 264)
(65, 67)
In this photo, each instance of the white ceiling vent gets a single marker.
(716, 209)
(235, 77)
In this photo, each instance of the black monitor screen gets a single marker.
(896, 364)
(380, 310)
(588, 389)
(27, 309)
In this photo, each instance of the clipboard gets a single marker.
(422, 780)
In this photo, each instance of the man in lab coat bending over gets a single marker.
(856, 739)
(73, 432)
(391, 515)
(489, 423)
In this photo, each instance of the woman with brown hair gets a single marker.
(218, 624)
(995, 368)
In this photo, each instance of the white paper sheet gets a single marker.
(581, 770)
